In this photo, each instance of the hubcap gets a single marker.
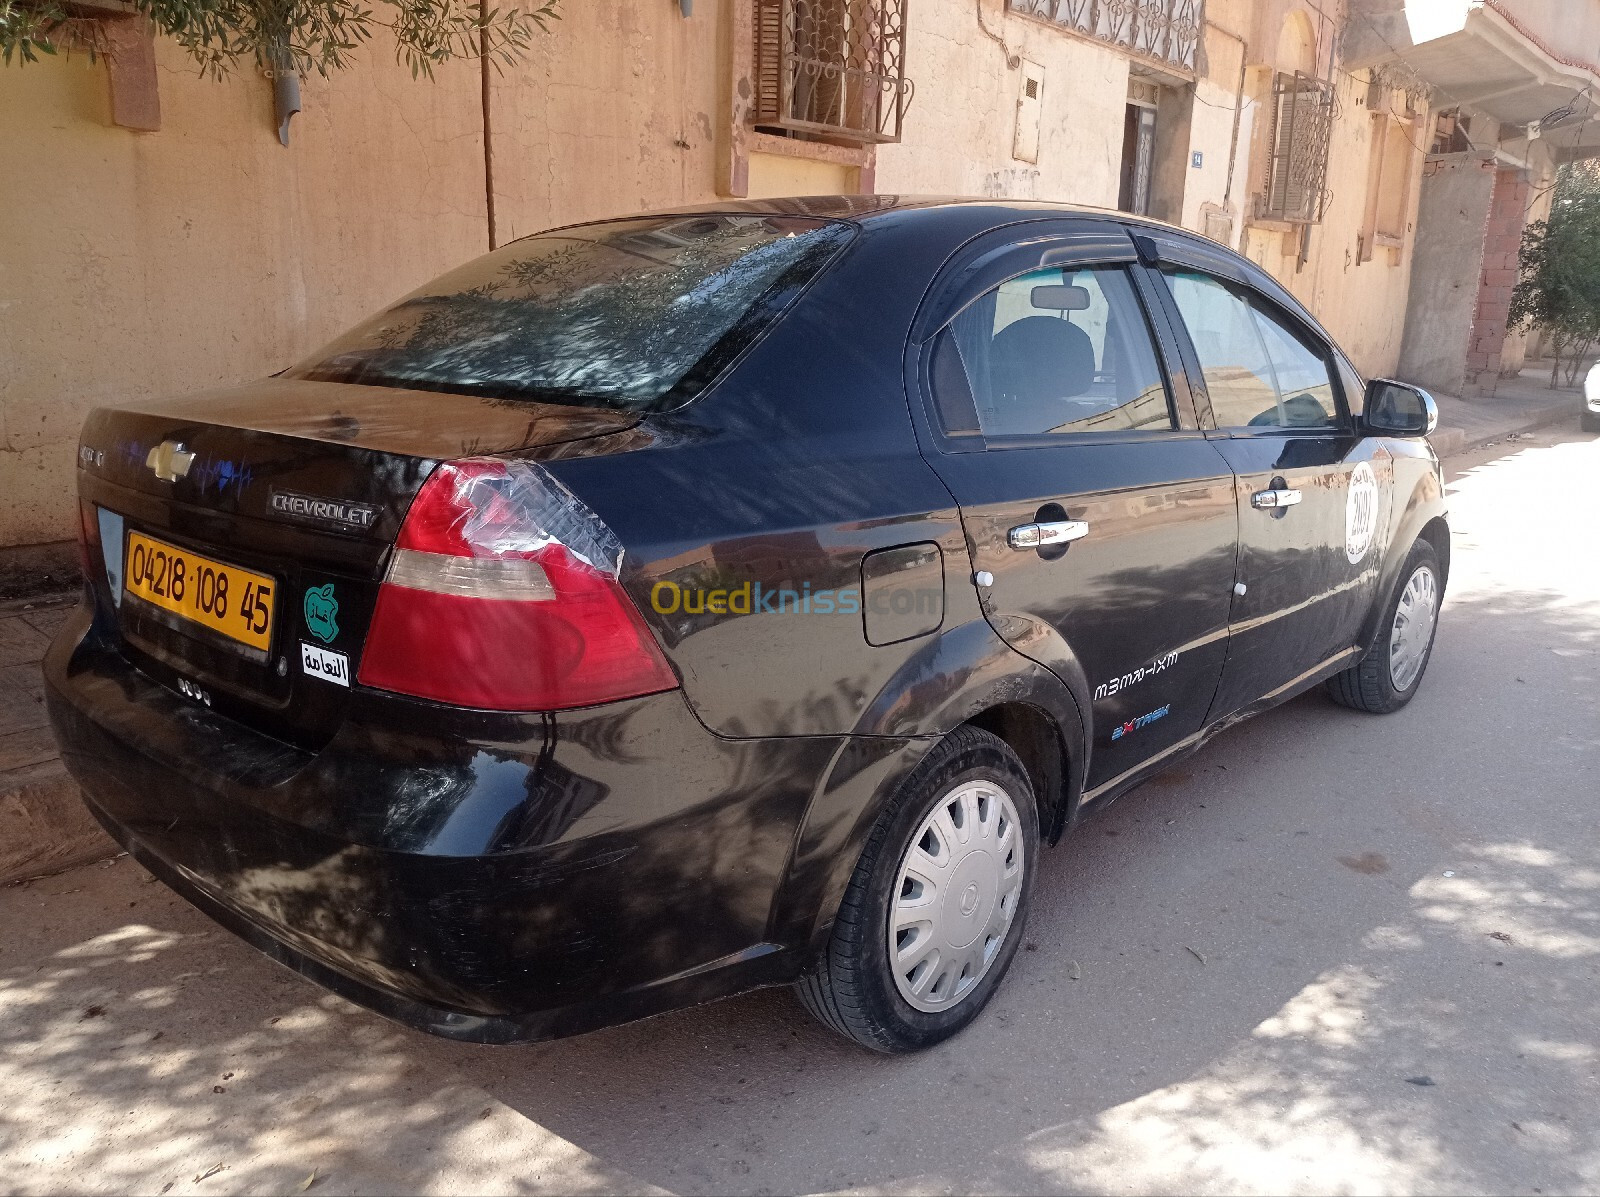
(1412, 633)
(955, 896)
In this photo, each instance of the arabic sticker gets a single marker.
(322, 611)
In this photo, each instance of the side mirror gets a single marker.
(1399, 409)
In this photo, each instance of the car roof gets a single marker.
(871, 209)
(980, 213)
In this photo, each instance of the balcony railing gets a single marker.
(832, 67)
(1163, 31)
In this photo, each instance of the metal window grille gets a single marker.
(835, 67)
(1302, 118)
(1164, 31)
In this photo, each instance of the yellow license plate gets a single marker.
(233, 602)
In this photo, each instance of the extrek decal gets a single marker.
(1360, 512)
(322, 611)
(1142, 721)
(1118, 684)
(309, 508)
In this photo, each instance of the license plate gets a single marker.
(225, 599)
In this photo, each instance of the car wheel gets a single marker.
(1391, 670)
(935, 909)
(1591, 421)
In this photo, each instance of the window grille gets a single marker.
(1297, 166)
(1164, 31)
(832, 67)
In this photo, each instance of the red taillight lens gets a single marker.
(502, 594)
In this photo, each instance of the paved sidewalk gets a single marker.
(43, 826)
(1522, 404)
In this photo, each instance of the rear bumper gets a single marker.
(488, 878)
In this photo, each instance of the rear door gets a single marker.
(1101, 522)
(1312, 493)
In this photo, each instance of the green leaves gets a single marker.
(1559, 290)
(299, 35)
(28, 30)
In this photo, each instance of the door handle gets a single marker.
(1039, 536)
(1269, 499)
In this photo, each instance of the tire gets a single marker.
(852, 986)
(1590, 421)
(1387, 677)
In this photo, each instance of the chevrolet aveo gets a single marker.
(658, 608)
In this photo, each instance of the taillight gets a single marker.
(502, 593)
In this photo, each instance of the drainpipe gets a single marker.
(1238, 110)
(285, 89)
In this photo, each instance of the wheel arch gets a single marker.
(1437, 533)
(1031, 733)
(1422, 517)
(1037, 702)
(979, 680)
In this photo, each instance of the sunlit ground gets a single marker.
(1330, 953)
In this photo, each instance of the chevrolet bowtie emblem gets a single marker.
(170, 461)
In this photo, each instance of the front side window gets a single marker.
(1258, 372)
(633, 315)
(1052, 351)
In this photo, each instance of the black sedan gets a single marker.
(657, 608)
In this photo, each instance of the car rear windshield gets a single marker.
(635, 315)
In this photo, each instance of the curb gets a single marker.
(1448, 442)
(44, 826)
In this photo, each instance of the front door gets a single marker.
(1102, 522)
(1311, 490)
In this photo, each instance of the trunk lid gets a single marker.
(296, 487)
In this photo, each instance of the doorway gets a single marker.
(1138, 147)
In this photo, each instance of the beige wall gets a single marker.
(134, 264)
(617, 112)
(958, 140)
(137, 264)
(958, 136)
(1362, 303)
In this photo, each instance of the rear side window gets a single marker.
(1258, 371)
(631, 314)
(1052, 351)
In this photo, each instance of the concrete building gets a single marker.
(1515, 84)
(160, 236)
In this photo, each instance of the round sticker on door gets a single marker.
(1360, 512)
